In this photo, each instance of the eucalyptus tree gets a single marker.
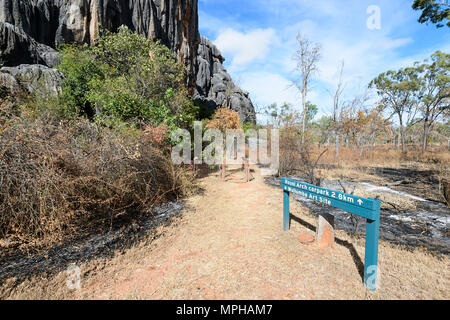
(435, 11)
(434, 91)
(399, 94)
(324, 125)
(311, 112)
(337, 108)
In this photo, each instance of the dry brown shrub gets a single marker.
(432, 155)
(225, 119)
(157, 135)
(386, 155)
(8, 108)
(61, 179)
(295, 157)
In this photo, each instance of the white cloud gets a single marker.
(266, 88)
(245, 48)
(388, 44)
(211, 24)
(259, 49)
(365, 54)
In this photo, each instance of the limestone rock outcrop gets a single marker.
(16, 48)
(32, 78)
(54, 22)
(214, 86)
(31, 30)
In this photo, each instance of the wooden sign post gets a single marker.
(247, 169)
(223, 173)
(367, 208)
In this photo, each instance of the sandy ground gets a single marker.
(229, 244)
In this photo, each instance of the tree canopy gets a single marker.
(126, 77)
(437, 12)
(416, 94)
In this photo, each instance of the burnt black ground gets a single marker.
(21, 266)
(426, 227)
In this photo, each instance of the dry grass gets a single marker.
(350, 173)
(351, 166)
(386, 155)
(63, 179)
(389, 200)
(230, 245)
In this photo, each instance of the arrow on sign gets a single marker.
(360, 202)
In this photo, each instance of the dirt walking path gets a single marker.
(229, 244)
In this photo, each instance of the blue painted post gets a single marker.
(286, 216)
(371, 254)
(367, 208)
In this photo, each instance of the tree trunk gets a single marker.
(304, 114)
(223, 168)
(426, 131)
(336, 150)
(402, 133)
(425, 139)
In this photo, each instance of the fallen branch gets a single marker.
(315, 165)
(345, 190)
(387, 202)
(398, 183)
(342, 186)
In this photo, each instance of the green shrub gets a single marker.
(251, 126)
(125, 77)
(79, 69)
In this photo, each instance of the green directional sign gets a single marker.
(367, 208)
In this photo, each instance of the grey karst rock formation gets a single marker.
(16, 47)
(31, 30)
(214, 86)
(32, 78)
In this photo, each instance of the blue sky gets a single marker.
(257, 38)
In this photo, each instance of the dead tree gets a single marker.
(307, 57)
